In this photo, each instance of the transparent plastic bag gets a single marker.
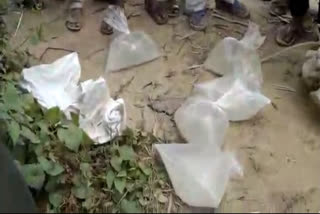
(199, 175)
(233, 95)
(238, 57)
(240, 103)
(128, 50)
(115, 17)
(202, 122)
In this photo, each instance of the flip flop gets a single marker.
(287, 35)
(198, 20)
(278, 7)
(38, 4)
(105, 28)
(174, 8)
(237, 8)
(157, 11)
(74, 20)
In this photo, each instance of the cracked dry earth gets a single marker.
(279, 149)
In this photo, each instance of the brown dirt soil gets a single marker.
(279, 149)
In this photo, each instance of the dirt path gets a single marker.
(279, 149)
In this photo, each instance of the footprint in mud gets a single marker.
(296, 202)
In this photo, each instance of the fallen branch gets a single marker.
(123, 87)
(267, 58)
(56, 49)
(19, 24)
(187, 36)
(94, 53)
(284, 88)
(133, 14)
(192, 67)
(216, 15)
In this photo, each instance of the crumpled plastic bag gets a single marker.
(101, 117)
(57, 85)
(238, 57)
(115, 17)
(54, 84)
(129, 48)
(199, 176)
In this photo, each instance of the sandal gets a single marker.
(279, 7)
(174, 8)
(74, 20)
(237, 8)
(198, 20)
(289, 34)
(105, 28)
(157, 11)
(38, 4)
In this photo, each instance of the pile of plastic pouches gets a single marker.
(200, 170)
(127, 49)
(57, 85)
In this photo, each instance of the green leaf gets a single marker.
(52, 184)
(122, 174)
(50, 167)
(34, 40)
(88, 203)
(126, 152)
(56, 198)
(145, 169)
(120, 184)
(75, 119)
(86, 170)
(43, 126)
(11, 98)
(80, 192)
(28, 134)
(14, 131)
(72, 137)
(28, 101)
(53, 115)
(116, 163)
(110, 178)
(130, 207)
(34, 175)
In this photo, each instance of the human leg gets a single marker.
(288, 34)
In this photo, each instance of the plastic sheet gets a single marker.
(129, 48)
(57, 84)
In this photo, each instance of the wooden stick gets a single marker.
(19, 23)
(53, 48)
(267, 58)
(216, 15)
